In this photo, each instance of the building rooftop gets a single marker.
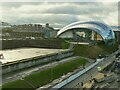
(24, 53)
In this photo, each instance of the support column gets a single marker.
(94, 35)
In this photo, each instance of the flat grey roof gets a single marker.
(24, 53)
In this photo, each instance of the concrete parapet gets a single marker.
(26, 63)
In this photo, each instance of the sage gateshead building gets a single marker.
(98, 30)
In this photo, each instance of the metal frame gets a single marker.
(102, 29)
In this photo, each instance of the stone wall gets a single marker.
(22, 64)
(43, 43)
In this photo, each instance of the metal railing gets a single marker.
(73, 77)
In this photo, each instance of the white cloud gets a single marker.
(59, 14)
(59, 1)
(112, 18)
(107, 1)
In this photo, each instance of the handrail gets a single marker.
(73, 77)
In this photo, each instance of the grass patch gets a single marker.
(44, 77)
(95, 50)
(65, 45)
(91, 51)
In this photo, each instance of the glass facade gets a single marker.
(102, 29)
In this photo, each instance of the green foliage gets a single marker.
(65, 45)
(94, 50)
(44, 77)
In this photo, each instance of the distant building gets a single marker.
(118, 36)
(47, 25)
(116, 29)
(4, 25)
(27, 31)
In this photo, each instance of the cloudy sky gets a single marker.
(59, 14)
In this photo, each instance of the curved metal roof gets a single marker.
(104, 30)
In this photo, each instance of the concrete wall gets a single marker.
(118, 36)
(17, 65)
(43, 43)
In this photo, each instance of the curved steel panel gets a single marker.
(104, 30)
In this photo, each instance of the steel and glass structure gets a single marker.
(102, 29)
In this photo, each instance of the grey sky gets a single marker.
(59, 14)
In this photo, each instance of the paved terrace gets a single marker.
(24, 53)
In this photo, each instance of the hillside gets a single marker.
(92, 51)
